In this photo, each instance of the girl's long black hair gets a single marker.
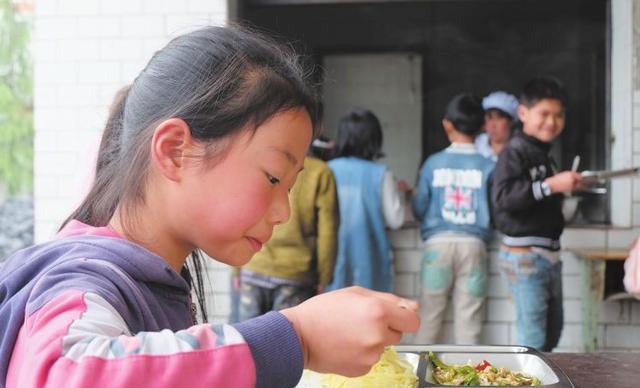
(219, 80)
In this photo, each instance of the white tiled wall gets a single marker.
(616, 318)
(86, 49)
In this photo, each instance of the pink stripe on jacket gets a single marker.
(39, 361)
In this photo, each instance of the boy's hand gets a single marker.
(564, 182)
(406, 189)
(403, 186)
(345, 331)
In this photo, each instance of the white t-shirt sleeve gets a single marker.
(392, 206)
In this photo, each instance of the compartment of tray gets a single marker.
(521, 362)
(312, 379)
(516, 358)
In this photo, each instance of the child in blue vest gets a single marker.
(368, 201)
(451, 202)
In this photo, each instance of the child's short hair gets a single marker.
(466, 114)
(359, 134)
(322, 148)
(543, 87)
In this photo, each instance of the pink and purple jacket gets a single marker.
(91, 309)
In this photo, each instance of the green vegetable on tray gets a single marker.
(482, 374)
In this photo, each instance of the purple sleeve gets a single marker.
(276, 350)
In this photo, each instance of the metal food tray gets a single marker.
(517, 358)
(593, 177)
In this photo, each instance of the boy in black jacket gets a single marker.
(527, 209)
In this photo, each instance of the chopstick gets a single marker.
(576, 163)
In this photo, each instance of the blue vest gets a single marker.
(364, 252)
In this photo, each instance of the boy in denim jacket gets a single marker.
(527, 209)
(452, 204)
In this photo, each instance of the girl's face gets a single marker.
(229, 208)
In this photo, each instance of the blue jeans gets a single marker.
(536, 288)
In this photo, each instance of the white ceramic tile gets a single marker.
(93, 27)
(182, 23)
(622, 336)
(120, 7)
(164, 7)
(621, 238)
(500, 310)
(407, 260)
(495, 334)
(571, 287)
(497, 287)
(404, 238)
(77, 7)
(55, 73)
(405, 285)
(572, 311)
(571, 263)
(494, 266)
(571, 338)
(198, 6)
(47, 8)
(583, 238)
(140, 25)
(615, 312)
(635, 311)
(98, 72)
(55, 27)
(121, 49)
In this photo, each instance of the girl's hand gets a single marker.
(345, 331)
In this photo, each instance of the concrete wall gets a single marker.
(86, 49)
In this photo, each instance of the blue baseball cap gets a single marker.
(503, 101)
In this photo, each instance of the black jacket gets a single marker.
(521, 209)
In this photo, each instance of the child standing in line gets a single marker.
(500, 112)
(451, 202)
(213, 134)
(527, 209)
(368, 202)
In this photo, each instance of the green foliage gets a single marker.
(16, 100)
